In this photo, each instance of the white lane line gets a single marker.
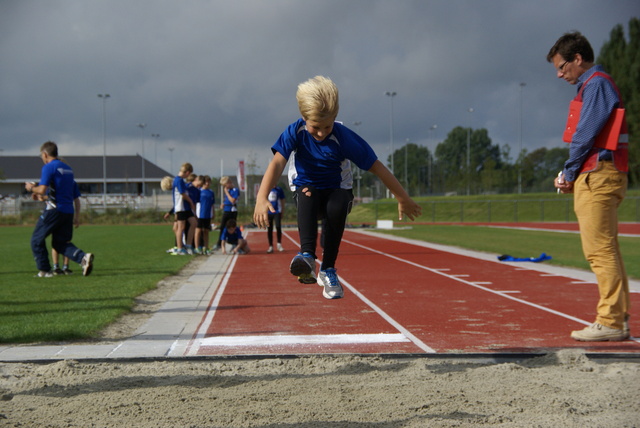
(200, 340)
(420, 344)
(317, 339)
(456, 278)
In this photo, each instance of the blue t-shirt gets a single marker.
(62, 189)
(276, 195)
(194, 194)
(323, 164)
(179, 188)
(227, 205)
(204, 207)
(231, 238)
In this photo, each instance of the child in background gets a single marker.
(205, 214)
(276, 197)
(56, 264)
(230, 195)
(320, 175)
(166, 184)
(193, 189)
(184, 208)
(232, 235)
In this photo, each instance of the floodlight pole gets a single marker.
(155, 148)
(359, 176)
(431, 129)
(469, 156)
(104, 98)
(391, 95)
(522, 85)
(142, 126)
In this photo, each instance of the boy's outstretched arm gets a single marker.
(270, 179)
(406, 205)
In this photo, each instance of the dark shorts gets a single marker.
(204, 223)
(183, 215)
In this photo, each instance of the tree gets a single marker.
(622, 61)
(540, 167)
(484, 159)
(409, 166)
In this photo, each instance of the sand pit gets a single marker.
(561, 389)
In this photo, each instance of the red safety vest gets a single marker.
(614, 135)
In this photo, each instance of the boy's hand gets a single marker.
(409, 208)
(261, 213)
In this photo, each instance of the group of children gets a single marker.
(194, 211)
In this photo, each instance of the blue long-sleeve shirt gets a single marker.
(599, 99)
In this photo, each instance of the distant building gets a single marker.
(124, 174)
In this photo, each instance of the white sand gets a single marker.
(557, 390)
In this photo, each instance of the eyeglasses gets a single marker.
(561, 68)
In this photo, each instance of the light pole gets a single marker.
(431, 129)
(104, 98)
(155, 148)
(142, 126)
(391, 95)
(522, 85)
(359, 176)
(171, 159)
(406, 166)
(469, 156)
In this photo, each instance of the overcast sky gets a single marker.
(217, 79)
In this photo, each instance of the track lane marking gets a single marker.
(472, 284)
(200, 340)
(504, 294)
(316, 339)
(420, 344)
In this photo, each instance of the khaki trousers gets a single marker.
(598, 195)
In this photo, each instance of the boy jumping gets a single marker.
(320, 175)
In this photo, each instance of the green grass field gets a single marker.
(131, 260)
(564, 248)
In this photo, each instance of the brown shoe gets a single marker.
(597, 332)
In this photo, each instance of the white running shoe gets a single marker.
(328, 279)
(87, 264)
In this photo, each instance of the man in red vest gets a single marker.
(596, 172)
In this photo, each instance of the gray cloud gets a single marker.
(217, 79)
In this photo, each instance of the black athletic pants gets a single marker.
(331, 205)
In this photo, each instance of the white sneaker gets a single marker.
(270, 250)
(280, 247)
(43, 274)
(87, 264)
(597, 332)
(332, 287)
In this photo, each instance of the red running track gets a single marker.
(400, 297)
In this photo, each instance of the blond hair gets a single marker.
(318, 99)
(224, 180)
(166, 183)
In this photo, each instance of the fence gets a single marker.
(16, 206)
(513, 210)
(470, 211)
